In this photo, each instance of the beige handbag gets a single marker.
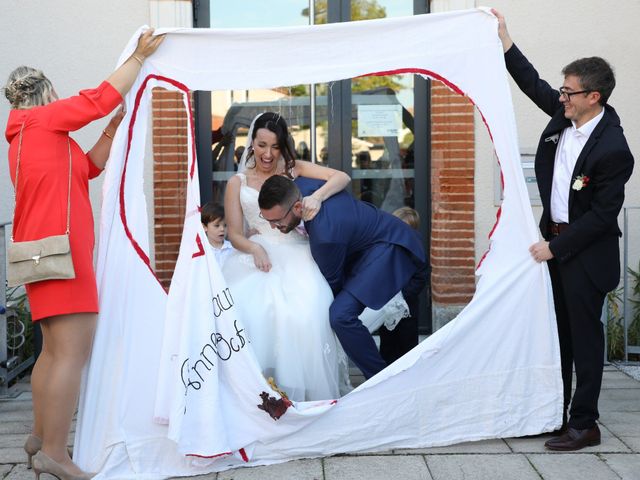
(46, 259)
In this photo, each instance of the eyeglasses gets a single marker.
(564, 93)
(276, 222)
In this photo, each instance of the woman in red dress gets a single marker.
(66, 309)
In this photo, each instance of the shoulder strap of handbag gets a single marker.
(15, 190)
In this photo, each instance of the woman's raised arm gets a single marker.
(336, 181)
(122, 79)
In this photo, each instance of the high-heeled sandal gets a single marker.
(33, 446)
(44, 464)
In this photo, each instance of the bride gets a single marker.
(282, 298)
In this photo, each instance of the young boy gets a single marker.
(395, 343)
(212, 218)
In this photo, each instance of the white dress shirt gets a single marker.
(223, 252)
(572, 141)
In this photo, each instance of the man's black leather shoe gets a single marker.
(574, 439)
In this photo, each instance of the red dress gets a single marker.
(41, 204)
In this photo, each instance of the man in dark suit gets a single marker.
(582, 164)
(366, 255)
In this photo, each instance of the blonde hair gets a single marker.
(28, 87)
(409, 216)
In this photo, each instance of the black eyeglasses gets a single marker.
(276, 223)
(564, 93)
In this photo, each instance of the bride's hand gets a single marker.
(310, 207)
(261, 259)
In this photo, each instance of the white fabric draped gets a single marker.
(181, 358)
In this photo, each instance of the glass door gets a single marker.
(363, 126)
(382, 124)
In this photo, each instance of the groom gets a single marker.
(366, 255)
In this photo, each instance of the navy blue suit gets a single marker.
(367, 256)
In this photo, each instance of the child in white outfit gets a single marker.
(212, 218)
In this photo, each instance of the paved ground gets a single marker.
(618, 457)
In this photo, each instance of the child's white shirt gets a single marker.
(223, 252)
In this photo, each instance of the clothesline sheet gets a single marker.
(173, 387)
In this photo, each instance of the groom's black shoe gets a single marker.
(574, 439)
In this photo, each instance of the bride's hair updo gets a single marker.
(276, 124)
(28, 87)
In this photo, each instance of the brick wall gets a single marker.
(452, 180)
(170, 160)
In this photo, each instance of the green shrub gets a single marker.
(615, 318)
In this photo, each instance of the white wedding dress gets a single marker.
(286, 311)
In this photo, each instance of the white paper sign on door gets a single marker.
(379, 120)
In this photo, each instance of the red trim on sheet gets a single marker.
(244, 456)
(185, 90)
(200, 251)
(134, 114)
(208, 456)
(459, 91)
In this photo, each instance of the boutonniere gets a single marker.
(580, 182)
(553, 138)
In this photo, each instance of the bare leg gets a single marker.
(39, 376)
(67, 344)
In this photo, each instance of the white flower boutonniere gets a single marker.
(580, 182)
(552, 138)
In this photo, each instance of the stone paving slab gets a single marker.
(9, 427)
(20, 472)
(376, 468)
(618, 379)
(626, 466)
(13, 455)
(16, 440)
(208, 476)
(625, 424)
(483, 446)
(297, 469)
(609, 443)
(17, 416)
(494, 467)
(620, 400)
(4, 469)
(368, 453)
(577, 466)
(12, 440)
(14, 406)
(632, 442)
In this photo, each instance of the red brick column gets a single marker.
(170, 162)
(452, 180)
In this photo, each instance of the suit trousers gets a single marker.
(578, 305)
(395, 343)
(354, 337)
